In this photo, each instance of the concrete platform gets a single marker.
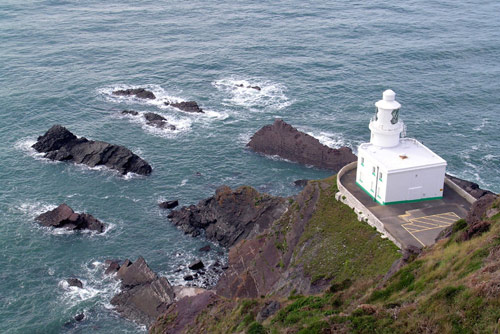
(417, 224)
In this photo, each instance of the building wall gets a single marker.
(368, 177)
(415, 184)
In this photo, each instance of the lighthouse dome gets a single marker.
(388, 101)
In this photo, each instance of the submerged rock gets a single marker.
(249, 86)
(138, 92)
(60, 144)
(188, 106)
(64, 217)
(230, 216)
(284, 140)
(79, 317)
(157, 121)
(144, 295)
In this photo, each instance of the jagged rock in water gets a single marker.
(79, 317)
(144, 295)
(113, 266)
(130, 112)
(157, 121)
(230, 216)
(138, 92)
(64, 217)
(284, 140)
(75, 282)
(196, 265)
(188, 106)
(60, 144)
(168, 204)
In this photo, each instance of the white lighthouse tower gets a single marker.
(392, 169)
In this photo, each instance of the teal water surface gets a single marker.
(321, 66)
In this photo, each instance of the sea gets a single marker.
(321, 66)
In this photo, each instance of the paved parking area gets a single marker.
(416, 224)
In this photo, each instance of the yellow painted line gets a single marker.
(414, 236)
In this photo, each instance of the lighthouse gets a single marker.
(392, 169)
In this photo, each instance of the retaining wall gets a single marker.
(468, 197)
(362, 211)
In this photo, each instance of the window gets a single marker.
(380, 176)
(376, 112)
(373, 170)
(362, 161)
(395, 116)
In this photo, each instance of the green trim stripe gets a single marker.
(397, 202)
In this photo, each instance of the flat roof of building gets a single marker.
(409, 154)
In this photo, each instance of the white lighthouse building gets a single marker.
(392, 169)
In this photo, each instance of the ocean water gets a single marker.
(321, 66)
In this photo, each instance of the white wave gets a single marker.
(333, 140)
(184, 182)
(484, 122)
(96, 286)
(271, 95)
(490, 157)
(182, 124)
(244, 138)
(34, 209)
(25, 145)
(219, 115)
(161, 95)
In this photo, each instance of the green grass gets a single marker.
(340, 247)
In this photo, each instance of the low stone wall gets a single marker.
(468, 197)
(362, 211)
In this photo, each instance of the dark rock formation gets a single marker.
(113, 266)
(64, 217)
(144, 295)
(188, 106)
(205, 248)
(138, 92)
(230, 216)
(183, 313)
(79, 317)
(168, 204)
(188, 278)
(300, 183)
(270, 308)
(409, 254)
(61, 145)
(283, 140)
(196, 265)
(470, 187)
(157, 121)
(75, 282)
(130, 112)
(475, 223)
(249, 86)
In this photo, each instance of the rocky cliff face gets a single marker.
(284, 140)
(60, 144)
(314, 241)
(230, 216)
